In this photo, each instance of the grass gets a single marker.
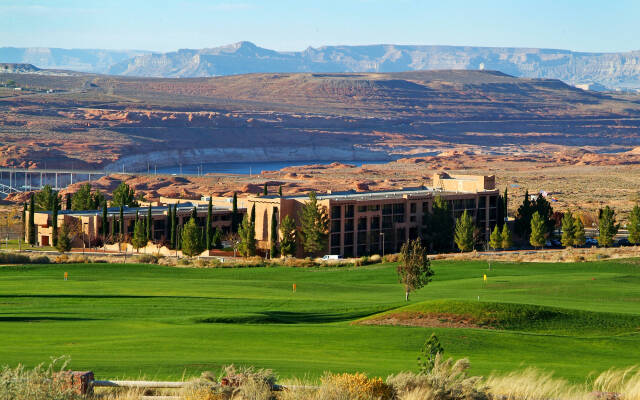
(160, 322)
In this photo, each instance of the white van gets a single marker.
(331, 257)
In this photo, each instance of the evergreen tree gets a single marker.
(440, 225)
(105, 221)
(172, 222)
(139, 235)
(495, 240)
(544, 209)
(280, 190)
(523, 217)
(430, 350)
(191, 239)
(265, 191)
(68, 202)
(24, 220)
(538, 230)
(505, 204)
(217, 238)
(253, 219)
(607, 227)
(209, 228)
(97, 200)
(414, 271)
(288, 233)
(568, 229)
(507, 240)
(54, 220)
(247, 246)
(124, 196)
(579, 236)
(194, 215)
(149, 225)
(121, 230)
(314, 226)
(464, 232)
(64, 241)
(82, 200)
(634, 225)
(44, 198)
(234, 213)
(273, 252)
(32, 224)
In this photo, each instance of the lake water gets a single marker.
(248, 167)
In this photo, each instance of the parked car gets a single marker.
(623, 242)
(327, 257)
(556, 243)
(590, 242)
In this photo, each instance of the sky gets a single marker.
(292, 25)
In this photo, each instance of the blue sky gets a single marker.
(163, 25)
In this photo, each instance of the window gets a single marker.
(348, 239)
(336, 212)
(482, 203)
(362, 224)
(348, 225)
(413, 208)
(412, 218)
(425, 207)
(387, 209)
(335, 239)
(362, 209)
(398, 218)
(375, 207)
(375, 222)
(362, 237)
(348, 213)
(386, 222)
(492, 201)
(398, 208)
(335, 225)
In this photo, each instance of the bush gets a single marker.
(147, 259)
(39, 383)
(40, 260)
(250, 262)
(392, 258)
(375, 259)
(78, 259)
(354, 386)
(235, 383)
(12, 258)
(62, 259)
(299, 262)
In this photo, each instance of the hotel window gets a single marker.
(348, 213)
(482, 203)
(413, 208)
(375, 223)
(348, 225)
(398, 208)
(336, 212)
(375, 207)
(362, 209)
(335, 225)
(492, 201)
(335, 240)
(362, 224)
(387, 209)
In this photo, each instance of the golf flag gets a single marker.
(484, 277)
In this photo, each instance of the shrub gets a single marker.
(250, 262)
(62, 259)
(40, 383)
(40, 260)
(392, 258)
(299, 262)
(354, 386)
(147, 259)
(12, 258)
(375, 259)
(78, 259)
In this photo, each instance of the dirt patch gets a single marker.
(428, 320)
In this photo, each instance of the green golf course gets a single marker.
(163, 322)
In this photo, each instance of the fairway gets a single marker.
(162, 322)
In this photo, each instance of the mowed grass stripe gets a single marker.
(149, 320)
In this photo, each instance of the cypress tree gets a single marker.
(507, 240)
(121, 222)
(139, 235)
(54, 220)
(505, 204)
(148, 225)
(265, 191)
(568, 230)
(288, 231)
(274, 233)
(105, 221)
(634, 225)
(113, 226)
(68, 205)
(234, 214)
(523, 217)
(209, 228)
(24, 219)
(32, 225)
(441, 225)
(314, 226)
(495, 240)
(191, 244)
(253, 220)
(247, 246)
(194, 215)
(217, 238)
(172, 224)
(280, 190)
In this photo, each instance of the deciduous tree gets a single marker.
(414, 271)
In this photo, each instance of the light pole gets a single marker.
(382, 238)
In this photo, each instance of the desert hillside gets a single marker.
(99, 121)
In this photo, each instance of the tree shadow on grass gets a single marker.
(288, 317)
(44, 319)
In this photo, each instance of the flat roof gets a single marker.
(155, 210)
(384, 194)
